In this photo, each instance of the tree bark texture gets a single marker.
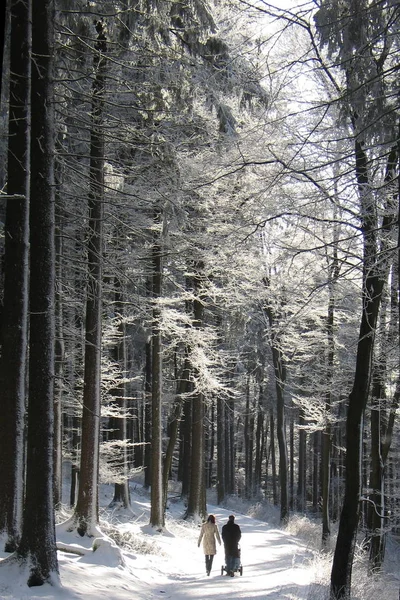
(221, 488)
(327, 433)
(118, 424)
(59, 369)
(273, 458)
(302, 460)
(197, 498)
(157, 504)
(38, 540)
(373, 281)
(86, 511)
(13, 363)
(183, 387)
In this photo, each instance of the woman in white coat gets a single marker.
(209, 534)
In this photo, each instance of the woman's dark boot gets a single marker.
(210, 563)
(208, 566)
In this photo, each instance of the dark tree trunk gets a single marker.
(119, 424)
(301, 480)
(230, 455)
(147, 417)
(291, 463)
(280, 378)
(197, 494)
(13, 362)
(58, 428)
(3, 21)
(183, 388)
(86, 510)
(38, 540)
(59, 369)
(196, 500)
(76, 368)
(281, 434)
(259, 441)
(316, 463)
(157, 505)
(376, 508)
(210, 446)
(382, 422)
(273, 459)
(327, 433)
(147, 405)
(186, 447)
(248, 443)
(74, 468)
(221, 491)
(382, 416)
(372, 292)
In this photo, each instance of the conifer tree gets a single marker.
(13, 361)
(37, 547)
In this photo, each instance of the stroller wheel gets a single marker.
(222, 570)
(241, 571)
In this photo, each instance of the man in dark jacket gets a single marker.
(231, 535)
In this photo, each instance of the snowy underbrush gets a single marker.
(129, 540)
(371, 587)
(310, 532)
(364, 585)
(262, 511)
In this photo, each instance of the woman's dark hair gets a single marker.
(211, 519)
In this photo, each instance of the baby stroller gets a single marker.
(237, 566)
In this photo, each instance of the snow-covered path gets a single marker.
(276, 566)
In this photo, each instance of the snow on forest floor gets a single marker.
(276, 564)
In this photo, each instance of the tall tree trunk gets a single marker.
(147, 403)
(74, 466)
(221, 451)
(373, 282)
(291, 462)
(382, 422)
(59, 369)
(13, 361)
(38, 540)
(376, 480)
(230, 456)
(259, 439)
(197, 494)
(382, 416)
(281, 433)
(316, 462)
(273, 459)
(302, 470)
(77, 371)
(280, 378)
(196, 500)
(327, 433)
(183, 388)
(186, 447)
(119, 425)
(86, 515)
(157, 504)
(248, 442)
(3, 21)
(210, 445)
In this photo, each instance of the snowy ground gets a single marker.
(276, 565)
